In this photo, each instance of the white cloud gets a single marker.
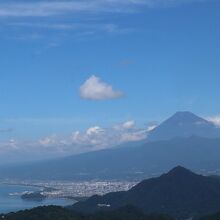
(95, 138)
(54, 8)
(129, 124)
(94, 131)
(48, 8)
(98, 27)
(20, 17)
(215, 120)
(91, 139)
(95, 89)
(134, 136)
(151, 127)
(80, 31)
(48, 141)
(125, 126)
(12, 143)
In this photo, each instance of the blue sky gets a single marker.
(154, 57)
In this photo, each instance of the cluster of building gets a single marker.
(69, 189)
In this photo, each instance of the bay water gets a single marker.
(11, 201)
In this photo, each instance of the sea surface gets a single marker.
(10, 199)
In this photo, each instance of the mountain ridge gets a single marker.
(179, 193)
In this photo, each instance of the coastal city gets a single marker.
(73, 190)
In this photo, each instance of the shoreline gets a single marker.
(28, 185)
(45, 189)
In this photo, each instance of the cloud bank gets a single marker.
(96, 137)
(91, 139)
(215, 120)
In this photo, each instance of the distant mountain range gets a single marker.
(179, 193)
(184, 139)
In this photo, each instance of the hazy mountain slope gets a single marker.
(179, 193)
(122, 163)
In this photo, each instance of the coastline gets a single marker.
(44, 189)
(10, 198)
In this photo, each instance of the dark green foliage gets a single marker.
(43, 213)
(58, 213)
(212, 217)
(126, 213)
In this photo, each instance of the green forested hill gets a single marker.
(215, 216)
(58, 213)
(179, 193)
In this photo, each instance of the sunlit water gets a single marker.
(10, 202)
